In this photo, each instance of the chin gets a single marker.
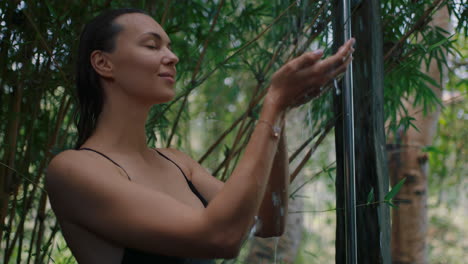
(163, 98)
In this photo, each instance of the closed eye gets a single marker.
(153, 47)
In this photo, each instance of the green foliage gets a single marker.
(389, 196)
(448, 154)
(370, 196)
(403, 77)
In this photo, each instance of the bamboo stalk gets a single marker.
(328, 126)
(241, 131)
(31, 242)
(41, 217)
(55, 229)
(47, 48)
(19, 233)
(176, 121)
(309, 180)
(65, 104)
(20, 245)
(165, 13)
(25, 159)
(21, 227)
(221, 137)
(310, 152)
(11, 217)
(251, 41)
(222, 164)
(310, 39)
(4, 47)
(9, 156)
(195, 72)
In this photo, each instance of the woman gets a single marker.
(119, 201)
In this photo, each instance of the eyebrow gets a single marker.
(156, 35)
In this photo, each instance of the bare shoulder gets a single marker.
(57, 176)
(66, 160)
(62, 159)
(61, 164)
(70, 163)
(174, 153)
(72, 172)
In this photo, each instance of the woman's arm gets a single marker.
(233, 209)
(274, 208)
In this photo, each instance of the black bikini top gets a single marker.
(136, 256)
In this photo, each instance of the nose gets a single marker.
(170, 58)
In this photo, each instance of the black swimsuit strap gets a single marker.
(173, 163)
(108, 159)
(191, 186)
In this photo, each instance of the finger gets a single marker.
(342, 68)
(350, 52)
(336, 60)
(346, 48)
(309, 58)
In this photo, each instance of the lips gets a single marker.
(168, 76)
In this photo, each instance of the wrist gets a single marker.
(271, 111)
(273, 100)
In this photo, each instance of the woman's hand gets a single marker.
(300, 79)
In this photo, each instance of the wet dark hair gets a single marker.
(99, 34)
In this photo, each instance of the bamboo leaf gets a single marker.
(51, 9)
(440, 43)
(394, 190)
(370, 196)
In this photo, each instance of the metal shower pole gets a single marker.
(349, 158)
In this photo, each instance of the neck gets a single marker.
(120, 127)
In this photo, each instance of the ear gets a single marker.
(101, 64)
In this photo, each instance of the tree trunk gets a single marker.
(409, 222)
(373, 221)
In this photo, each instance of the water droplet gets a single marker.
(337, 89)
(257, 225)
(276, 249)
(275, 199)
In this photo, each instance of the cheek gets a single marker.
(140, 65)
(138, 77)
(137, 71)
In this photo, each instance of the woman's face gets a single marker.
(143, 65)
